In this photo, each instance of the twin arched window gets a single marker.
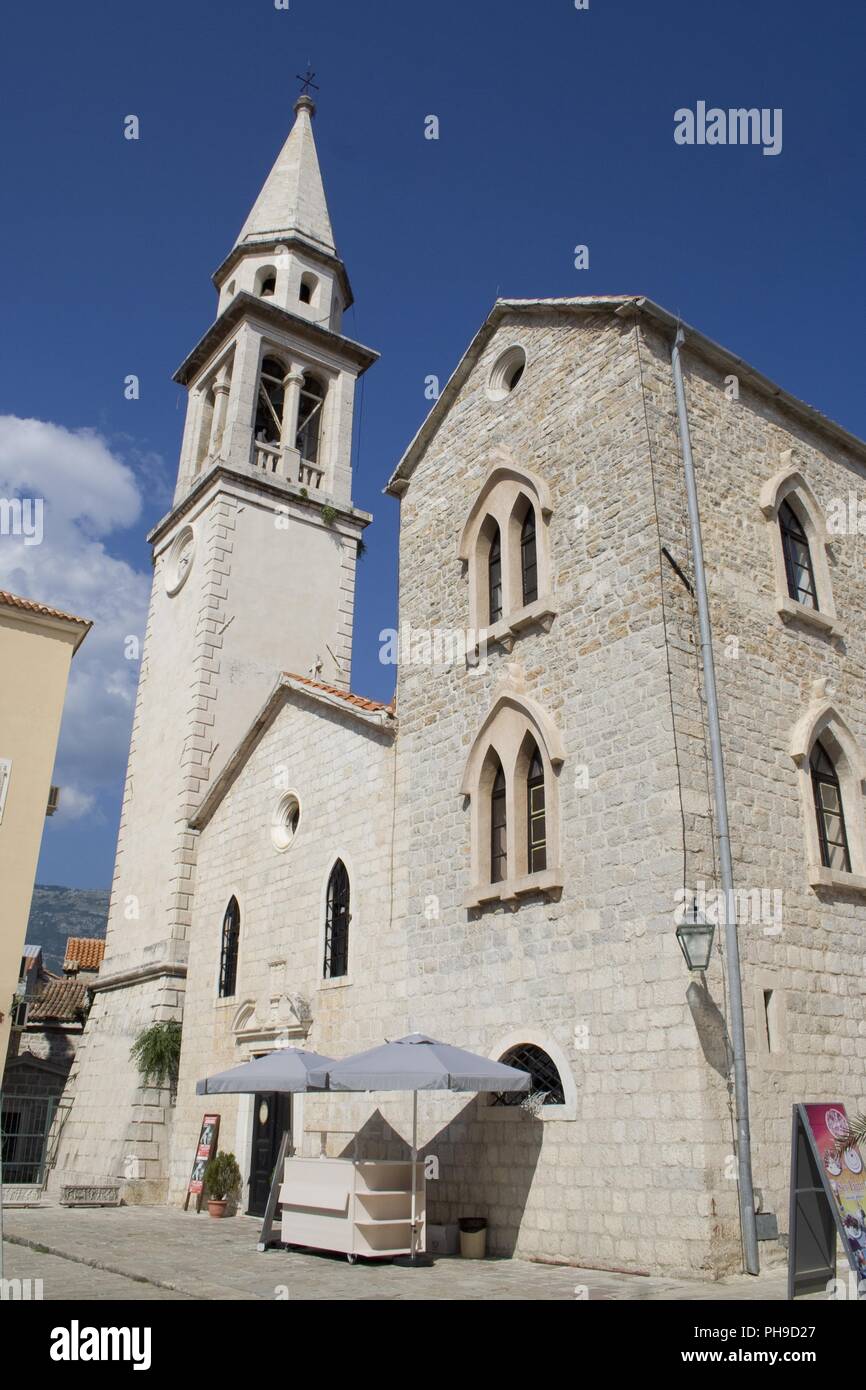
(231, 936)
(505, 545)
(337, 919)
(530, 803)
(271, 422)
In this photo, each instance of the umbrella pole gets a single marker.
(414, 1166)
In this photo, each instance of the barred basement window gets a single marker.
(832, 834)
(337, 919)
(230, 943)
(546, 1083)
(529, 557)
(498, 830)
(535, 815)
(494, 579)
(798, 558)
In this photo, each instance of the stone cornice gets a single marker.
(246, 305)
(137, 975)
(258, 482)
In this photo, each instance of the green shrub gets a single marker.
(222, 1176)
(156, 1053)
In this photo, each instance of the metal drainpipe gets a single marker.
(732, 950)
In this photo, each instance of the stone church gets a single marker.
(498, 858)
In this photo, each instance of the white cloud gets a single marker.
(75, 804)
(89, 494)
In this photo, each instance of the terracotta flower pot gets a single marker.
(216, 1208)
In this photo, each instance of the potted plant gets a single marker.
(222, 1178)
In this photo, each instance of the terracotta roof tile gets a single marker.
(60, 999)
(84, 951)
(31, 606)
(360, 701)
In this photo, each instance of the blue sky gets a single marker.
(556, 128)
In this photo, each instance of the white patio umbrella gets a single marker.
(418, 1063)
(285, 1069)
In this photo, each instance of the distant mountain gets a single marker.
(57, 913)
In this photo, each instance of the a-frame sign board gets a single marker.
(822, 1208)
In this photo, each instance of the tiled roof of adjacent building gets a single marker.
(85, 952)
(62, 1000)
(360, 701)
(31, 606)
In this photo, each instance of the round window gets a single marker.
(507, 371)
(179, 561)
(287, 818)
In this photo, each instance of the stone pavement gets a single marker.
(165, 1253)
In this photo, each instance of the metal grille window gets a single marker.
(535, 815)
(498, 830)
(229, 955)
(827, 792)
(337, 922)
(529, 558)
(545, 1079)
(310, 419)
(269, 405)
(494, 578)
(25, 1122)
(798, 558)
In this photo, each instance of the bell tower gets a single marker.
(253, 574)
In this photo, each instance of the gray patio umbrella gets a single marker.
(418, 1063)
(286, 1069)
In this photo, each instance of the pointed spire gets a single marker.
(293, 198)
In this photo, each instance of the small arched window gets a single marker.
(536, 819)
(307, 289)
(494, 578)
(799, 570)
(269, 404)
(545, 1083)
(498, 830)
(337, 919)
(310, 419)
(229, 953)
(269, 285)
(529, 557)
(832, 832)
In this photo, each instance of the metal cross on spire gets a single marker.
(307, 81)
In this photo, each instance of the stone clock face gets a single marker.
(179, 563)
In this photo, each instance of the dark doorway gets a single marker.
(271, 1116)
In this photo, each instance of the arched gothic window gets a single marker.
(310, 419)
(529, 557)
(337, 919)
(269, 406)
(229, 952)
(536, 819)
(827, 792)
(799, 569)
(498, 830)
(545, 1081)
(494, 578)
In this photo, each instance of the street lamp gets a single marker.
(695, 935)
